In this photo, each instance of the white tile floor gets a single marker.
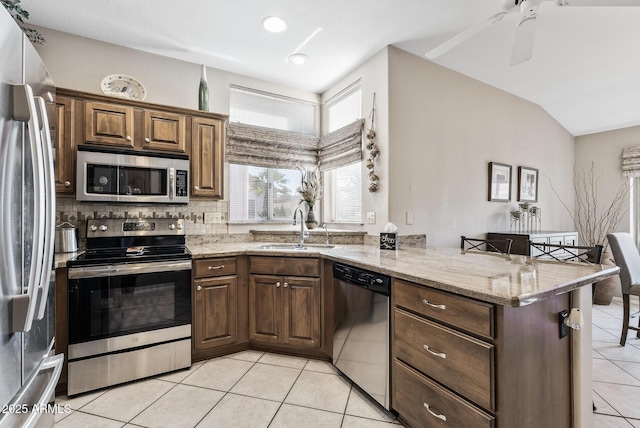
(616, 369)
(248, 389)
(255, 389)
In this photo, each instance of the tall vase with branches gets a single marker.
(594, 218)
(310, 192)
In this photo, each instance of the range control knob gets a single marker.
(93, 228)
(172, 226)
(180, 226)
(103, 227)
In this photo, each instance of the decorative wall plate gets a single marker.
(123, 86)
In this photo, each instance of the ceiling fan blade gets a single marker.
(465, 35)
(597, 2)
(523, 38)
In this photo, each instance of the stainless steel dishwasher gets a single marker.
(361, 329)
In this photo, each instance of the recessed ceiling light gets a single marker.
(274, 24)
(298, 58)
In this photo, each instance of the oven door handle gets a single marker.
(127, 269)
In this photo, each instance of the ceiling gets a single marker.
(585, 70)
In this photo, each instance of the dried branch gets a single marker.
(592, 220)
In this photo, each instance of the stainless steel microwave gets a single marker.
(128, 176)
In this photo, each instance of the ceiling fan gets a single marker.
(524, 35)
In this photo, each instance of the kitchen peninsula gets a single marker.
(495, 356)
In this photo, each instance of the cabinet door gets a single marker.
(65, 146)
(164, 131)
(301, 317)
(108, 124)
(206, 157)
(215, 313)
(265, 308)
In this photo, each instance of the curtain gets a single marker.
(631, 162)
(341, 147)
(271, 148)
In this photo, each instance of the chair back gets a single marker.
(566, 253)
(502, 246)
(626, 255)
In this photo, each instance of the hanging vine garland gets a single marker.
(373, 149)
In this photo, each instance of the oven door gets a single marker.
(115, 300)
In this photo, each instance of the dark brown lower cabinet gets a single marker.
(507, 367)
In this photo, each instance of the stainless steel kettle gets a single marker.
(66, 238)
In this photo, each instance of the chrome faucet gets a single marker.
(324, 226)
(303, 235)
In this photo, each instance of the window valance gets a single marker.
(341, 147)
(631, 162)
(273, 148)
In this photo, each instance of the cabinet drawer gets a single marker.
(214, 267)
(295, 266)
(456, 360)
(471, 315)
(412, 393)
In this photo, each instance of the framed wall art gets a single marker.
(499, 182)
(527, 184)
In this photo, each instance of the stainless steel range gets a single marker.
(129, 303)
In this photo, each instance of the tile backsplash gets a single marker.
(77, 213)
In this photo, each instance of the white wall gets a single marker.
(374, 79)
(604, 149)
(81, 64)
(444, 129)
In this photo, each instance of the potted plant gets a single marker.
(594, 218)
(310, 191)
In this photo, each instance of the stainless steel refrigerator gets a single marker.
(28, 369)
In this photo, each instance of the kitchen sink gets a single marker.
(294, 247)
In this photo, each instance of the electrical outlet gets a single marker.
(213, 218)
(371, 217)
(409, 217)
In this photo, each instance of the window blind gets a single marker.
(271, 148)
(631, 162)
(341, 147)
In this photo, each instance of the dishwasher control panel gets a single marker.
(364, 278)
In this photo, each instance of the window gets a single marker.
(261, 194)
(343, 185)
(253, 107)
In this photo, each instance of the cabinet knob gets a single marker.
(286, 285)
(67, 183)
(278, 284)
(196, 188)
(199, 287)
(128, 138)
(146, 140)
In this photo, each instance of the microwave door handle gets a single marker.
(172, 179)
(24, 110)
(50, 207)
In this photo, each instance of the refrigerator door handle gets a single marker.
(55, 362)
(24, 305)
(50, 206)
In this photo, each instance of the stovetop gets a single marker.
(116, 241)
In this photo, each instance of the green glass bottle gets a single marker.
(203, 95)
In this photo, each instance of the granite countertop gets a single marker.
(505, 280)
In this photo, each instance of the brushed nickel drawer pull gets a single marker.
(215, 267)
(426, 302)
(442, 417)
(437, 354)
